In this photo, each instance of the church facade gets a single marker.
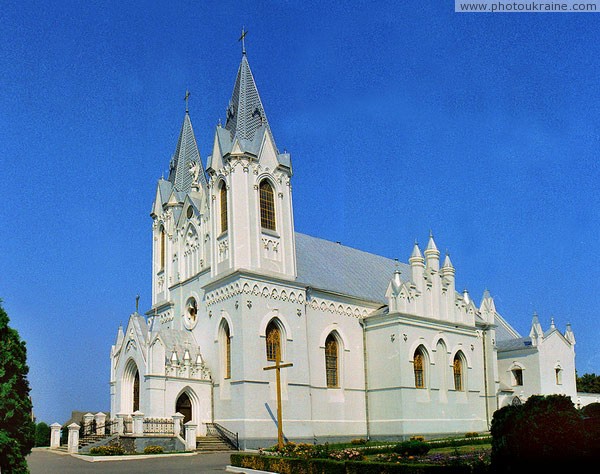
(380, 349)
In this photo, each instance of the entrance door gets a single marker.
(184, 406)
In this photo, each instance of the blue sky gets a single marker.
(400, 117)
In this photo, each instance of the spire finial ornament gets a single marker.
(242, 39)
(137, 303)
(187, 98)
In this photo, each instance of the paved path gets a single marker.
(42, 461)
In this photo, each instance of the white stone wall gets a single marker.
(396, 407)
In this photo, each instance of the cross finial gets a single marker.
(186, 98)
(137, 303)
(242, 39)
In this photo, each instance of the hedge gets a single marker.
(285, 465)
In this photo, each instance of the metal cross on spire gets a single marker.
(186, 98)
(242, 39)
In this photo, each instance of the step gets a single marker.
(212, 443)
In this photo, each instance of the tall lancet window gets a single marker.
(136, 391)
(226, 351)
(457, 368)
(273, 341)
(331, 361)
(419, 368)
(162, 244)
(267, 206)
(223, 203)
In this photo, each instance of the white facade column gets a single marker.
(55, 435)
(138, 423)
(100, 419)
(177, 419)
(73, 443)
(190, 436)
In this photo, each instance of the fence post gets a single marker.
(73, 443)
(177, 419)
(138, 423)
(120, 424)
(100, 419)
(190, 436)
(87, 423)
(55, 435)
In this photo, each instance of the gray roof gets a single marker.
(186, 153)
(245, 114)
(334, 267)
(503, 329)
(164, 188)
(513, 344)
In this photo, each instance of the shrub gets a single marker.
(111, 450)
(545, 428)
(591, 411)
(286, 465)
(412, 448)
(417, 438)
(153, 450)
(359, 441)
(471, 434)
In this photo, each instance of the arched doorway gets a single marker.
(184, 406)
(131, 388)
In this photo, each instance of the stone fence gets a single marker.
(134, 425)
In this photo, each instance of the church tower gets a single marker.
(250, 192)
(180, 217)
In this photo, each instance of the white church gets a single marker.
(380, 349)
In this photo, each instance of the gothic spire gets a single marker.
(245, 114)
(186, 156)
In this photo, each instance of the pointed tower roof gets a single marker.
(431, 244)
(185, 158)
(245, 114)
(416, 253)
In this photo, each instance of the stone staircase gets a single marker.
(208, 444)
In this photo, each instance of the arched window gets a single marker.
(517, 373)
(223, 203)
(227, 351)
(136, 391)
(163, 245)
(267, 206)
(558, 375)
(273, 341)
(419, 368)
(457, 368)
(331, 361)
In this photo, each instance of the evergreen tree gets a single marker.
(589, 383)
(42, 434)
(17, 429)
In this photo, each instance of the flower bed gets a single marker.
(406, 457)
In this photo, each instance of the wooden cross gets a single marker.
(278, 366)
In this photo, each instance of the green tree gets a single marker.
(42, 434)
(588, 383)
(546, 431)
(17, 429)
